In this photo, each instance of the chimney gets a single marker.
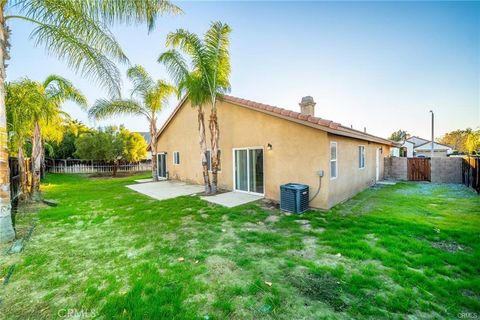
(307, 106)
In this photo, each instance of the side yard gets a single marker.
(109, 252)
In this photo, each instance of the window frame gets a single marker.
(361, 156)
(334, 143)
(176, 158)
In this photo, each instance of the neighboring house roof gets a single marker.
(315, 122)
(436, 146)
(406, 141)
(417, 140)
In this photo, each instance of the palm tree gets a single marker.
(209, 78)
(191, 83)
(78, 33)
(151, 97)
(21, 97)
(55, 90)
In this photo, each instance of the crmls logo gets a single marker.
(468, 315)
(77, 314)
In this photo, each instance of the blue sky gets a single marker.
(379, 65)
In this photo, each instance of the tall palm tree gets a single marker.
(77, 32)
(191, 83)
(148, 97)
(210, 62)
(55, 90)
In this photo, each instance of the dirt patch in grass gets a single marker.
(321, 287)
(269, 204)
(448, 246)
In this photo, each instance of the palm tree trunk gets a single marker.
(153, 147)
(23, 173)
(7, 233)
(214, 136)
(42, 160)
(203, 149)
(36, 161)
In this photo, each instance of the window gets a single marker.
(176, 157)
(333, 160)
(210, 160)
(361, 157)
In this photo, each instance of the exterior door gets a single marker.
(248, 170)
(162, 165)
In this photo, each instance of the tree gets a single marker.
(399, 135)
(21, 99)
(54, 91)
(112, 145)
(78, 33)
(472, 143)
(210, 61)
(190, 83)
(151, 96)
(134, 145)
(456, 139)
(65, 148)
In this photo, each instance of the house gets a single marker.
(263, 147)
(439, 150)
(404, 150)
(422, 147)
(417, 141)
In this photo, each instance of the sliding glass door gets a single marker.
(248, 169)
(162, 165)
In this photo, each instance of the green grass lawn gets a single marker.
(409, 250)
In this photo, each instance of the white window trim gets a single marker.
(336, 160)
(211, 160)
(364, 156)
(174, 158)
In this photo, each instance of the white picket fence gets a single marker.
(92, 166)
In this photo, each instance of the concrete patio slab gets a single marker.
(163, 190)
(231, 199)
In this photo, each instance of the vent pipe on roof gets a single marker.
(307, 106)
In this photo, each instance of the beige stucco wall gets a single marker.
(350, 178)
(298, 153)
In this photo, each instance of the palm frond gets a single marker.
(189, 43)
(142, 82)
(217, 55)
(59, 89)
(176, 66)
(77, 31)
(157, 98)
(104, 108)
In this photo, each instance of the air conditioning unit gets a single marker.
(294, 197)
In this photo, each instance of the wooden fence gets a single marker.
(14, 179)
(471, 172)
(419, 169)
(93, 166)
